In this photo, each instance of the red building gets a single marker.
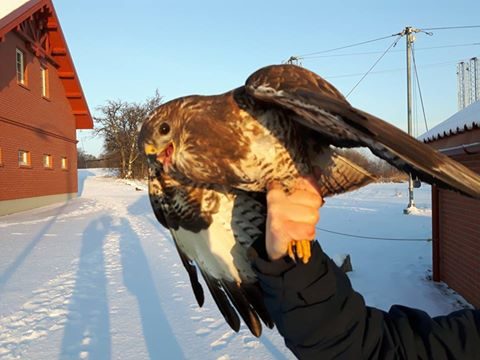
(456, 218)
(41, 106)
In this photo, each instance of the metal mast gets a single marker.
(409, 33)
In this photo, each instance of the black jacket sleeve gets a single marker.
(321, 317)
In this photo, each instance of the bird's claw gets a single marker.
(299, 249)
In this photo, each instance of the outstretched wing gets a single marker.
(212, 231)
(321, 107)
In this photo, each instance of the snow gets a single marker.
(97, 277)
(7, 7)
(459, 122)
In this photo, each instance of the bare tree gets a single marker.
(374, 165)
(84, 160)
(120, 125)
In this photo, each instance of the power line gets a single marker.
(444, 63)
(376, 62)
(347, 46)
(371, 237)
(298, 57)
(419, 89)
(379, 52)
(452, 27)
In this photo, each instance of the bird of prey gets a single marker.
(211, 159)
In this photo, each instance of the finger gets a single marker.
(299, 231)
(276, 195)
(295, 213)
(306, 198)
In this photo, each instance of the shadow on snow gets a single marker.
(87, 330)
(88, 327)
(137, 277)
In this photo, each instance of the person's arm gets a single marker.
(320, 316)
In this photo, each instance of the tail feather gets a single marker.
(255, 297)
(243, 307)
(222, 302)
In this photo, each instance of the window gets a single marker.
(64, 163)
(24, 158)
(44, 75)
(20, 67)
(47, 161)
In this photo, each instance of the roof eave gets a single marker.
(451, 132)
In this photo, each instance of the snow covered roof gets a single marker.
(8, 6)
(466, 119)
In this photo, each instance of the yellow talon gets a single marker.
(299, 249)
(290, 251)
(307, 251)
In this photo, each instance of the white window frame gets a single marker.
(24, 159)
(20, 66)
(48, 164)
(44, 80)
(64, 163)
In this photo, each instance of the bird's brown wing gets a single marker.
(336, 174)
(195, 226)
(322, 108)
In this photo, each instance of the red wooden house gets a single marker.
(41, 106)
(456, 218)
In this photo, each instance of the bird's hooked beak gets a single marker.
(164, 156)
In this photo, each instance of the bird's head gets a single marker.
(156, 138)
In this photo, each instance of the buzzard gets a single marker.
(211, 159)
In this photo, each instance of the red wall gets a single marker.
(459, 233)
(30, 122)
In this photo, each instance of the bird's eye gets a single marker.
(164, 129)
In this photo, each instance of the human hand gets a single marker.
(291, 216)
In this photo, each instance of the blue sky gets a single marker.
(127, 49)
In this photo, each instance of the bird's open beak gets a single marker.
(164, 156)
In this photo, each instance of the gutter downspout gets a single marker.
(435, 234)
(469, 149)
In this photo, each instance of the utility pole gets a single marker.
(409, 33)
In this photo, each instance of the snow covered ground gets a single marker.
(98, 278)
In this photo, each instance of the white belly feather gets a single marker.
(215, 249)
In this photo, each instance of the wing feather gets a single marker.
(319, 106)
(336, 174)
